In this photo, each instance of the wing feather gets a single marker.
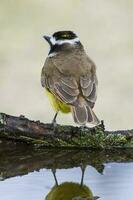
(69, 82)
(88, 85)
(67, 98)
(69, 88)
(85, 81)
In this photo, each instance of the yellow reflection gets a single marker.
(70, 190)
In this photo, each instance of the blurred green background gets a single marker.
(106, 30)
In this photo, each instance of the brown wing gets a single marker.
(88, 85)
(68, 87)
(64, 87)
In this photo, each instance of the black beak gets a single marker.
(47, 38)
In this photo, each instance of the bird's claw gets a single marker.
(54, 124)
(84, 128)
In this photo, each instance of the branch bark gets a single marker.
(40, 134)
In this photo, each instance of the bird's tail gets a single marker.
(83, 113)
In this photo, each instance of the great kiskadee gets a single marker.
(69, 77)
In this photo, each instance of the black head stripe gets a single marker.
(64, 35)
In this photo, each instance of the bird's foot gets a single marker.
(54, 124)
(84, 128)
(83, 167)
(54, 174)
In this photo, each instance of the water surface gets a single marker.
(27, 173)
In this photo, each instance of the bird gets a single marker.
(69, 77)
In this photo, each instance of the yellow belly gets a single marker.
(57, 104)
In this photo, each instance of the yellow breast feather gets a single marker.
(57, 104)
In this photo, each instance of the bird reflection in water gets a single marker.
(70, 190)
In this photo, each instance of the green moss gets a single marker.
(69, 136)
(62, 143)
(84, 139)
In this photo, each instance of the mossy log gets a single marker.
(39, 134)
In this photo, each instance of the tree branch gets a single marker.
(40, 134)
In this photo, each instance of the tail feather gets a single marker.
(82, 114)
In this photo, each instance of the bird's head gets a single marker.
(61, 40)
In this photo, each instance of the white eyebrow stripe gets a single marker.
(60, 42)
(52, 40)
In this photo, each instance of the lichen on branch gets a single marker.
(39, 134)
